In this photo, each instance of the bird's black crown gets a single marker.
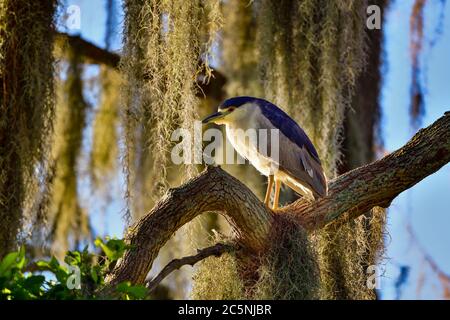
(237, 101)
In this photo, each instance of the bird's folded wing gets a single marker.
(306, 162)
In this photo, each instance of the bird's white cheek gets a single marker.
(237, 116)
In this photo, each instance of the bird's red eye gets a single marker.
(231, 109)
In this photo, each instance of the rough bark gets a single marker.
(212, 190)
(350, 194)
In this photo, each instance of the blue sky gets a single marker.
(424, 207)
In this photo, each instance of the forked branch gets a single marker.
(350, 194)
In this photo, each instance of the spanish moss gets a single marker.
(163, 46)
(310, 53)
(239, 32)
(168, 44)
(105, 149)
(68, 220)
(239, 35)
(310, 66)
(343, 256)
(26, 106)
(105, 143)
(287, 270)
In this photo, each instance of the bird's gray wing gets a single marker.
(306, 162)
(296, 161)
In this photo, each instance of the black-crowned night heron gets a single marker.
(297, 163)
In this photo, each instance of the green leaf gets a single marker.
(34, 283)
(6, 291)
(41, 264)
(94, 275)
(21, 260)
(113, 248)
(54, 263)
(135, 292)
(138, 292)
(13, 260)
(8, 262)
(53, 266)
(73, 258)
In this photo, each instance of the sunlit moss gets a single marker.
(308, 55)
(26, 107)
(287, 270)
(347, 249)
(305, 56)
(164, 44)
(238, 49)
(210, 284)
(105, 154)
(67, 218)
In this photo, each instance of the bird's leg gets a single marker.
(277, 194)
(269, 190)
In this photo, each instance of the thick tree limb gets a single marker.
(378, 183)
(215, 250)
(212, 190)
(89, 51)
(351, 194)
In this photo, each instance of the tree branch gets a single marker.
(93, 54)
(212, 190)
(378, 183)
(215, 250)
(89, 51)
(351, 194)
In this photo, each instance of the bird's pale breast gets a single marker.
(241, 136)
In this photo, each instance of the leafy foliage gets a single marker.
(81, 276)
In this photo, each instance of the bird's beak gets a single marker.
(214, 117)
